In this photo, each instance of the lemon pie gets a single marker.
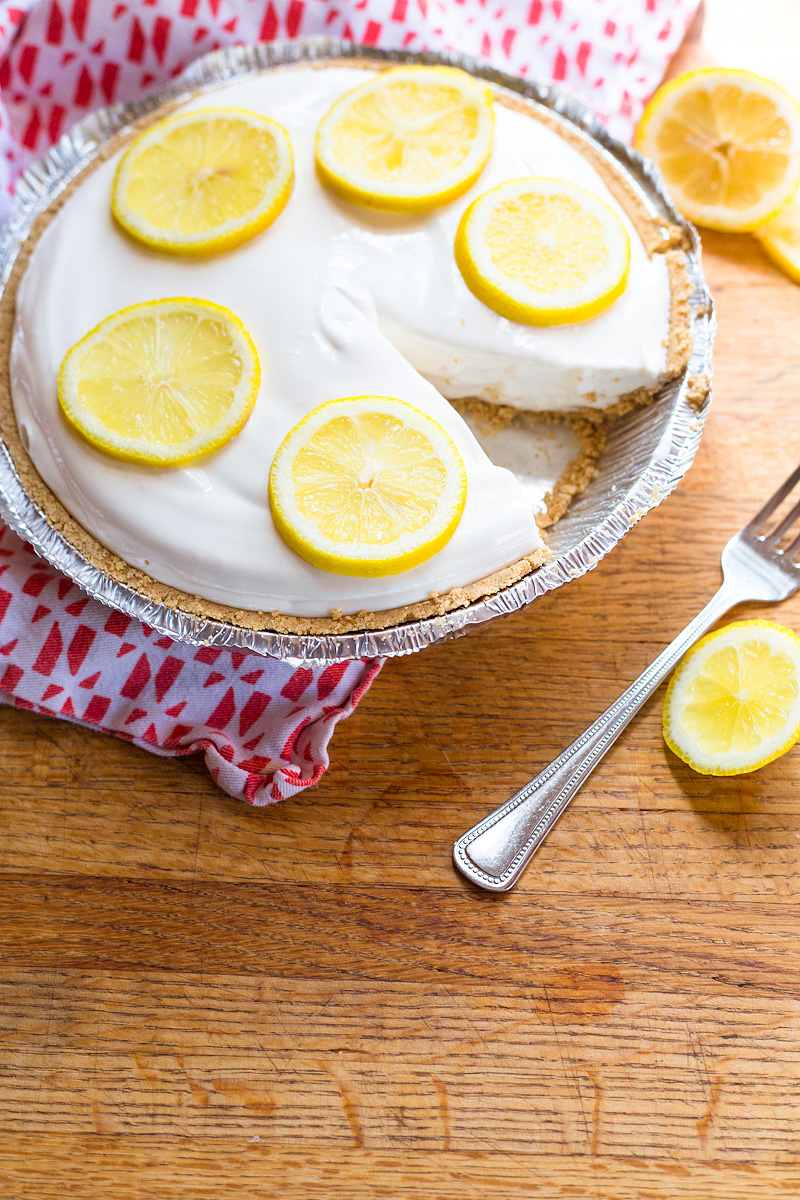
(354, 290)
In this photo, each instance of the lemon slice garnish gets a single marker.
(780, 237)
(728, 145)
(367, 485)
(543, 251)
(161, 383)
(408, 140)
(733, 703)
(203, 181)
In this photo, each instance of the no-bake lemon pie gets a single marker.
(245, 344)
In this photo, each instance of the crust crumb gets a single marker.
(580, 472)
(698, 388)
(679, 350)
(671, 237)
(489, 418)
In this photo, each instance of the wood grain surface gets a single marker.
(202, 1000)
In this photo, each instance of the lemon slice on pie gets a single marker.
(367, 485)
(408, 140)
(780, 237)
(733, 703)
(203, 181)
(543, 251)
(728, 145)
(161, 383)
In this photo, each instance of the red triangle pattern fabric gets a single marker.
(261, 742)
(59, 59)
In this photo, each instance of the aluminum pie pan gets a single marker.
(647, 453)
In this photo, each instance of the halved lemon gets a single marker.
(367, 485)
(203, 181)
(407, 140)
(780, 237)
(543, 251)
(733, 703)
(161, 383)
(728, 145)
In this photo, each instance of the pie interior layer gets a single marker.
(340, 301)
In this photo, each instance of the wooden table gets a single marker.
(203, 1000)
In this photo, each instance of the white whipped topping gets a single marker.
(339, 302)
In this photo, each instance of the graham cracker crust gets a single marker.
(590, 425)
(590, 433)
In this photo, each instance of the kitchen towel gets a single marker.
(263, 725)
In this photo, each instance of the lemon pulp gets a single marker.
(161, 383)
(780, 237)
(411, 139)
(728, 145)
(204, 181)
(367, 485)
(543, 251)
(733, 704)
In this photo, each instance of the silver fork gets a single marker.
(755, 566)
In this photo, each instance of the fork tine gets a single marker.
(774, 501)
(785, 525)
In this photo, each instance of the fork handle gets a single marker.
(494, 853)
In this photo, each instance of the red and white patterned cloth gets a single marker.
(263, 726)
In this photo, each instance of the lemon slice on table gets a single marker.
(780, 237)
(203, 181)
(543, 251)
(408, 140)
(733, 703)
(161, 383)
(728, 145)
(367, 485)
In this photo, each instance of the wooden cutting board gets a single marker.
(203, 1000)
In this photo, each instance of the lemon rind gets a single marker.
(92, 431)
(784, 263)
(380, 561)
(677, 678)
(706, 217)
(407, 199)
(240, 230)
(787, 262)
